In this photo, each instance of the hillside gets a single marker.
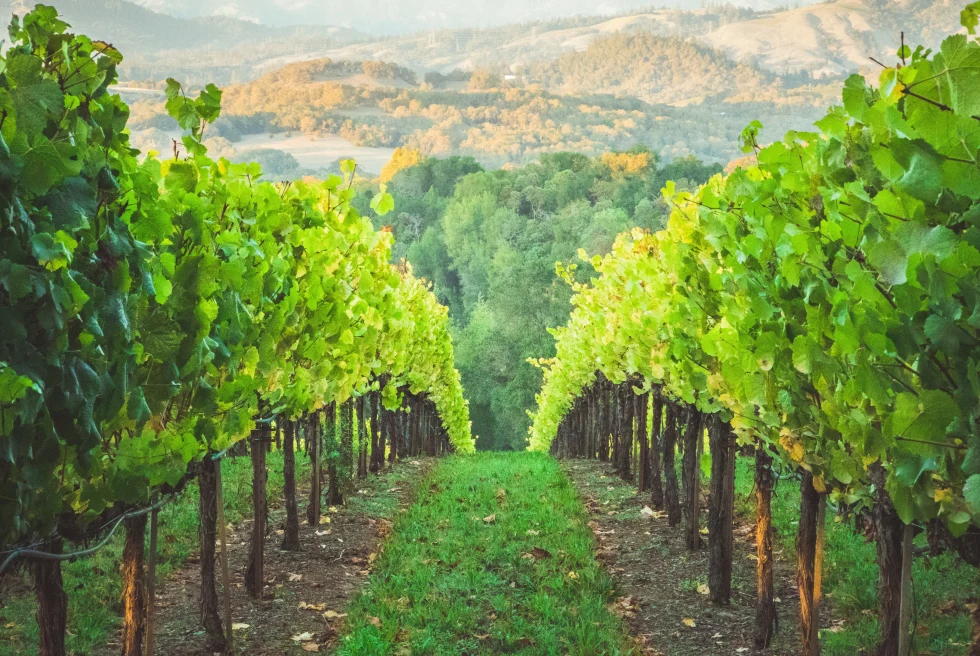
(662, 69)
(825, 39)
(835, 37)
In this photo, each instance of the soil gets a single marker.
(300, 587)
(657, 579)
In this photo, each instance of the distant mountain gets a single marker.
(670, 70)
(821, 40)
(834, 38)
(401, 16)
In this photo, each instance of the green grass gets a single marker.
(93, 583)
(851, 578)
(451, 582)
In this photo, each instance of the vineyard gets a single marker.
(816, 311)
(159, 313)
(229, 423)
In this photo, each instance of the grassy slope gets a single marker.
(452, 582)
(93, 583)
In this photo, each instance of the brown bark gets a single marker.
(361, 437)
(255, 569)
(721, 511)
(806, 552)
(377, 450)
(888, 528)
(642, 402)
(671, 492)
(52, 603)
(765, 607)
(208, 510)
(134, 587)
(656, 476)
(693, 440)
(314, 447)
(290, 538)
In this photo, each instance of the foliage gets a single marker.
(488, 241)
(150, 306)
(824, 299)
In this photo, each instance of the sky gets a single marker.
(392, 16)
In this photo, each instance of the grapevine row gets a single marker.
(154, 308)
(821, 304)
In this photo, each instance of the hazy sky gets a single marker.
(408, 15)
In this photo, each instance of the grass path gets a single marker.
(495, 557)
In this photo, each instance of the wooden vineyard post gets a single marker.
(818, 573)
(806, 557)
(640, 405)
(888, 542)
(721, 512)
(290, 538)
(905, 611)
(52, 603)
(765, 607)
(222, 537)
(671, 493)
(656, 430)
(208, 512)
(693, 440)
(255, 571)
(314, 439)
(134, 586)
(151, 581)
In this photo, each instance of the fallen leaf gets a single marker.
(689, 622)
(540, 553)
(302, 637)
(531, 531)
(295, 577)
(375, 621)
(490, 519)
(703, 531)
(238, 626)
(322, 533)
(482, 636)
(333, 615)
(703, 589)
(311, 646)
(324, 519)
(317, 607)
(573, 576)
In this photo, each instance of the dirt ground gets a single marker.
(658, 579)
(306, 592)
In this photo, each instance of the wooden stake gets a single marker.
(222, 530)
(151, 576)
(905, 610)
